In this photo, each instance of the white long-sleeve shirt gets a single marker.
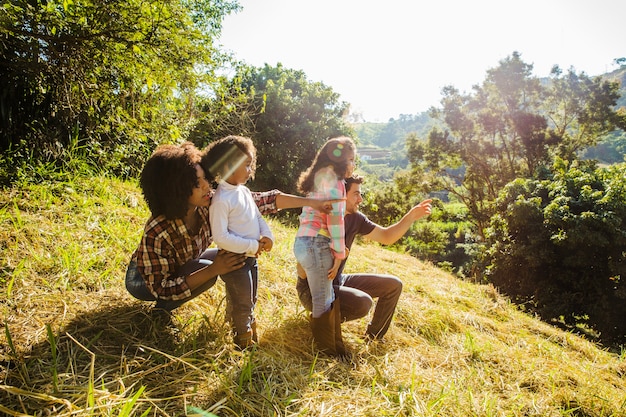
(236, 223)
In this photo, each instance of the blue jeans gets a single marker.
(314, 254)
(136, 285)
(241, 296)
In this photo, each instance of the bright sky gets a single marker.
(392, 57)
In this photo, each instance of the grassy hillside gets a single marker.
(75, 343)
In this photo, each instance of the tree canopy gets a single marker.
(512, 126)
(118, 76)
(287, 116)
(558, 246)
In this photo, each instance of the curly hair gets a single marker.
(333, 153)
(168, 179)
(227, 152)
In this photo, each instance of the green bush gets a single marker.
(442, 238)
(559, 246)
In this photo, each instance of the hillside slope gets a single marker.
(75, 343)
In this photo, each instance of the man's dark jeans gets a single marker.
(356, 294)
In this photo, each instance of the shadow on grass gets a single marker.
(101, 359)
(104, 356)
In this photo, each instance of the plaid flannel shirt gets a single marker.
(166, 245)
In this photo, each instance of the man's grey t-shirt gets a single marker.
(354, 224)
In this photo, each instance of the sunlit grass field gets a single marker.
(73, 342)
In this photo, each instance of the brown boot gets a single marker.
(244, 340)
(327, 332)
(323, 329)
(340, 348)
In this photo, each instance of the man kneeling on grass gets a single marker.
(356, 291)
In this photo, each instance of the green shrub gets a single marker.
(559, 245)
(443, 238)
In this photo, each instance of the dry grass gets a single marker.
(75, 343)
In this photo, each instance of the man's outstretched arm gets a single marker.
(391, 234)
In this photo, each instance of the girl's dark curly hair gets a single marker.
(333, 153)
(227, 152)
(168, 179)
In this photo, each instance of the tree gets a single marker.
(511, 127)
(287, 116)
(581, 111)
(116, 76)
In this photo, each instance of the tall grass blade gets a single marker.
(246, 372)
(22, 365)
(16, 218)
(128, 407)
(7, 333)
(91, 400)
(18, 269)
(53, 348)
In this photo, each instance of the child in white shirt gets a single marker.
(237, 226)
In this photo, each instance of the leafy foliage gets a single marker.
(559, 244)
(287, 116)
(512, 127)
(119, 75)
(434, 239)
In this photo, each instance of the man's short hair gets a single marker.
(354, 179)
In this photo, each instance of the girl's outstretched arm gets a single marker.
(287, 201)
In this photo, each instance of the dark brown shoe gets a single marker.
(244, 341)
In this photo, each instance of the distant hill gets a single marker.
(391, 136)
(619, 75)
